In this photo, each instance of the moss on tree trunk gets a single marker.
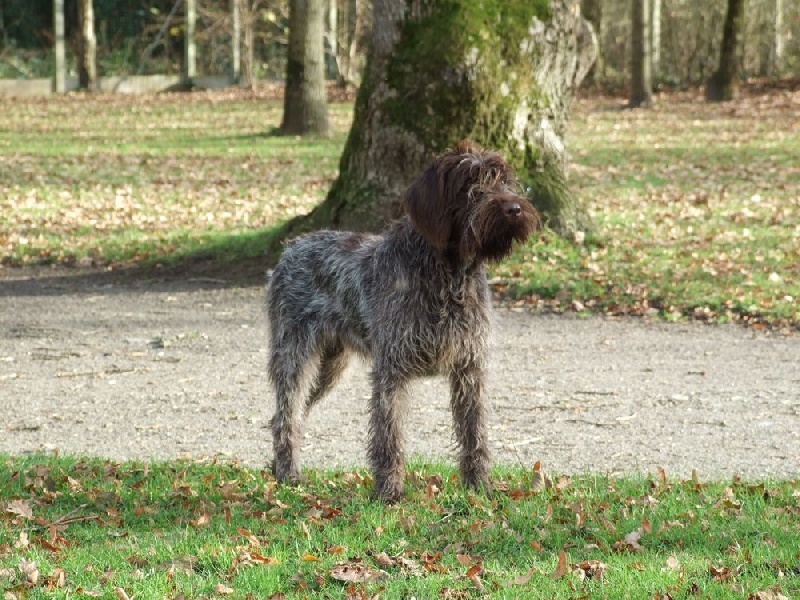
(501, 72)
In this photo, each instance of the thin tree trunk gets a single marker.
(236, 41)
(724, 83)
(189, 47)
(501, 72)
(305, 108)
(87, 47)
(592, 11)
(780, 41)
(656, 38)
(58, 25)
(641, 56)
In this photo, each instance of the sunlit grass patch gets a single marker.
(74, 526)
(697, 206)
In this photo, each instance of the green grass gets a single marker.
(158, 530)
(697, 206)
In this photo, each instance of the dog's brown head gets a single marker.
(467, 205)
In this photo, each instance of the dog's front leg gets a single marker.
(386, 456)
(469, 417)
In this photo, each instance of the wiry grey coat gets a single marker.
(414, 299)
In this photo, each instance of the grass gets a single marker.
(86, 527)
(697, 206)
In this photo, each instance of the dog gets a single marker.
(414, 300)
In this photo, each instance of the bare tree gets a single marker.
(641, 55)
(502, 72)
(780, 39)
(87, 47)
(724, 83)
(592, 11)
(656, 38)
(305, 108)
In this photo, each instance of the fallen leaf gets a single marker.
(473, 574)
(630, 543)
(592, 569)
(356, 573)
(121, 594)
(384, 560)
(222, 589)
(20, 508)
(673, 563)
(562, 565)
(307, 557)
(540, 480)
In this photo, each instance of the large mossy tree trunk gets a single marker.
(501, 72)
(724, 83)
(305, 106)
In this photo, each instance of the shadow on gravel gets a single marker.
(232, 260)
(189, 274)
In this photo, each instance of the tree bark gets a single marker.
(58, 26)
(641, 55)
(655, 38)
(305, 108)
(592, 11)
(500, 72)
(779, 44)
(87, 47)
(724, 83)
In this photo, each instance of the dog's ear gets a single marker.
(429, 209)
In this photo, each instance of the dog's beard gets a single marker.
(490, 235)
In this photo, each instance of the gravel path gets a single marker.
(164, 369)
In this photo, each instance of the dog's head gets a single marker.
(467, 204)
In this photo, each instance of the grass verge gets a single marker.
(697, 206)
(86, 527)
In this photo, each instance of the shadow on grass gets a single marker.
(218, 261)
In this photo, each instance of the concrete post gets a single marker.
(236, 42)
(189, 48)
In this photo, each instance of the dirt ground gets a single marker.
(162, 368)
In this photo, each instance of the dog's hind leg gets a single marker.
(292, 370)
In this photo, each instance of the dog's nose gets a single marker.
(512, 209)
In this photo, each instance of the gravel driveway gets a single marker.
(171, 368)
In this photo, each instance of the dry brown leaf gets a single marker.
(30, 571)
(770, 594)
(223, 590)
(540, 480)
(473, 574)
(356, 573)
(591, 569)
(561, 568)
(121, 594)
(20, 508)
(384, 560)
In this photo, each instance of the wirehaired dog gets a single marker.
(415, 300)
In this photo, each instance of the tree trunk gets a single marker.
(655, 38)
(61, 62)
(189, 47)
(501, 72)
(779, 44)
(236, 41)
(724, 83)
(305, 108)
(641, 55)
(592, 11)
(87, 47)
